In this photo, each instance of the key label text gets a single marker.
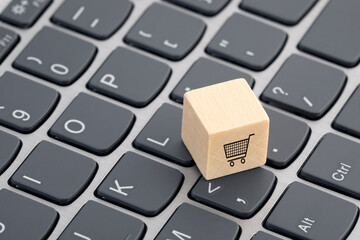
(306, 224)
(340, 173)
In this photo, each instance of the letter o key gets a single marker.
(59, 69)
(77, 122)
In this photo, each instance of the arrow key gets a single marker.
(140, 184)
(241, 194)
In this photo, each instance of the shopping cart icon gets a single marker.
(237, 150)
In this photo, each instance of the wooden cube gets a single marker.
(225, 128)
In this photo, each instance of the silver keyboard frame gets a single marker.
(154, 224)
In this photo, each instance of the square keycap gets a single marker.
(140, 184)
(25, 104)
(190, 222)
(158, 31)
(305, 87)
(56, 56)
(96, 221)
(54, 173)
(93, 124)
(130, 77)
(348, 118)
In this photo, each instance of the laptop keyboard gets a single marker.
(90, 112)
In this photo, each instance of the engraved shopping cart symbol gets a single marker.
(237, 150)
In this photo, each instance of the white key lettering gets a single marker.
(34, 59)
(109, 79)
(20, 114)
(306, 224)
(5, 40)
(207, 1)
(74, 122)
(277, 90)
(78, 13)
(163, 144)
(239, 200)
(340, 174)
(37, 3)
(211, 190)
(94, 23)
(127, 237)
(250, 53)
(224, 43)
(145, 34)
(2, 227)
(180, 235)
(119, 189)
(32, 179)
(171, 45)
(307, 101)
(81, 236)
(59, 69)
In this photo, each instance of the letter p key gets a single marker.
(109, 79)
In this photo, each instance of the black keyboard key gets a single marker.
(349, 116)
(334, 164)
(120, 77)
(54, 173)
(305, 87)
(206, 72)
(304, 212)
(140, 184)
(8, 40)
(22, 13)
(190, 222)
(24, 104)
(288, 12)
(56, 56)
(98, 19)
(23, 218)
(260, 235)
(157, 31)
(9, 148)
(283, 147)
(93, 124)
(162, 136)
(334, 35)
(206, 7)
(247, 42)
(241, 194)
(96, 221)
